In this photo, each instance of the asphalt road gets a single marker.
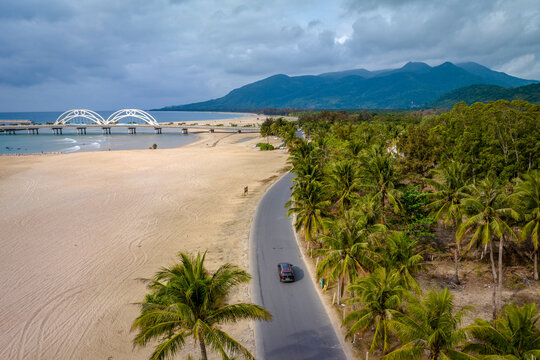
(300, 329)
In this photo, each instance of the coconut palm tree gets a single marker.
(449, 184)
(303, 151)
(514, 336)
(344, 250)
(378, 175)
(310, 206)
(430, 328)
(354, 148)
(343, 182)
(370, 207)
(380, 296)
(187, 301)
(307, 172)
(399, 252)
(527, 192)
(487, 208)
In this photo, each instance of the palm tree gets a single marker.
(380, 296)
(430, 326)
(378, 175)
(370, 207)
(310, 206)
(188, 301)
(399, 252)
(527, 191)
(307, 172)
(487, 209)
(514, 336)
(445, 203)
(343, 182)
(344, 250)
(304, 150)
(354, 148)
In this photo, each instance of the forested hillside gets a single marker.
(487, 93)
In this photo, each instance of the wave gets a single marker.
(69, 140)
(71, 149)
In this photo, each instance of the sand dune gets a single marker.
(79, 229)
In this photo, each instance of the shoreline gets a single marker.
(248, 120)
(82, 228)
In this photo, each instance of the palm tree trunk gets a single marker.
(536, 264)
(494, 296)
(499, 295)
(492, 263)
(456, 264)
(494, 299)
(457, 251)
(204, 356)
(338, 290)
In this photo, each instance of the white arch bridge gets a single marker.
(130, 118)
(80, 116)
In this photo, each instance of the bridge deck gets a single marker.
(247, 129)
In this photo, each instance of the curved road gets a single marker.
(301, 329)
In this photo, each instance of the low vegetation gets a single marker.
(265, 146)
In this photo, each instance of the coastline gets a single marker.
(84, 227)
(246, 121)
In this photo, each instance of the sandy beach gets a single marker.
(251, 119)
(79, 229)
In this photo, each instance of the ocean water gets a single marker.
(70, 141)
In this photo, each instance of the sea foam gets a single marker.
(71, 149)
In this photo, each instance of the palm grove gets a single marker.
(371, 187)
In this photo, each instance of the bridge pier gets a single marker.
(157, 130)
(10, 131)
(57, 130)
(105, 130)
(81, 131)
(132, 130)
(184, 131)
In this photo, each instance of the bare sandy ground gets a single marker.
(77, 230)
(254, 120)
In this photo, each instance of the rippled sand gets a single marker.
(77, 230)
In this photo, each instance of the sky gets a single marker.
(57, 55)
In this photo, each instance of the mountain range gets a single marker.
(413, 85)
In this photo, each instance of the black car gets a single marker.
(285, 272)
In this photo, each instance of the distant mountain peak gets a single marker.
(447, 64)
(415, 66)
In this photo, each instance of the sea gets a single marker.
(94, 140)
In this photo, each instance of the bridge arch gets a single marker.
(74, 114)
(131, 113)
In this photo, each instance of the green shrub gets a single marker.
(265, 146)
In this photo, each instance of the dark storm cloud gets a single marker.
(493, 33)
(107, 54)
